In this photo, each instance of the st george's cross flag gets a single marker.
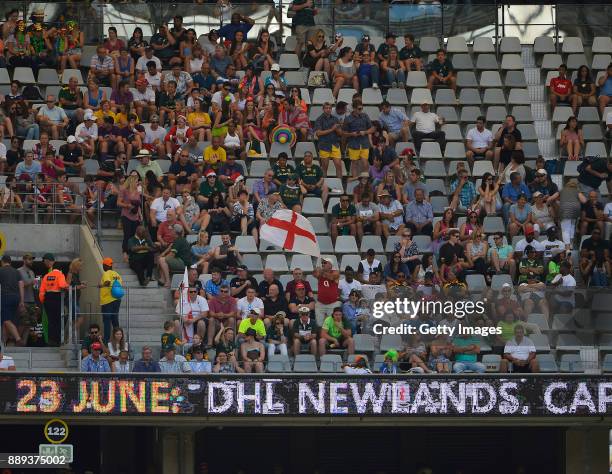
(291, 231)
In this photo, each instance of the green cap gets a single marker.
(391, 354)
(49, 256)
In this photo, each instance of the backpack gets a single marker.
(31, 92)
(117, 290)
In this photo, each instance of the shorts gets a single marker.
(334, 153)
(302, 33)
(175, 265)
(358, 153)
(524, 369)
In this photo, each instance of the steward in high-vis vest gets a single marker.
(50, 295)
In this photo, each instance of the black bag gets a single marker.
(31, 92)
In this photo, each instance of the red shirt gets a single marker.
(215, 305)
(328, 291)
(560, 86)
(165, 233)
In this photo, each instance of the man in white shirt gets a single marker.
(141, 64)
(144, 99)
(479, 142)
(193, 311)
(223, 92)
(6, 362)
(425, 127)
(2, 157)
(348, 283)
(161, 205)
(249, 303)
(564, 300)
(529, 239)
(552, 243)
(154, 137)
(391, 214)
(368, 265)
(86, 134)
(520, 352)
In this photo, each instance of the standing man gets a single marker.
(356, 128)
(50, 295)
(12, 298)
(302, 22)
(327, 130)
(108, 303)
(329, 292)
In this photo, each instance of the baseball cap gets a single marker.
(71, 139)
(242, 267)
(326, 259)
(304, 309)
(529, 229)
(211, 173)
(384, 193)
(96, 346)
(370, 252)
(88, 115)
(281, 313)
(255, 311)
(537, 194)
(279, 94)
(365, 38)
(108, 262)
(49, 256)
(300, 286)
(542, 171)
(506, 285)
(275, 67)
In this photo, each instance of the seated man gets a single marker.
(466, 349)
(395, 122)
(531, 285)
(464, 192)
(305, 331)
(560, 89)
(336, 333)
(226, 256)
(52, 119)
(521, 353)
(303, 298)
(419, 214)
(193, 313)
(368, 217)
(501, 256)
(425, 123)
(311, 176)
(442, 72)
(391, 214)
(479, 142)
(343, 218)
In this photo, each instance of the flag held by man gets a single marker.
(291, 231)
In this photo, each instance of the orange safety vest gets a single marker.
(54, 281)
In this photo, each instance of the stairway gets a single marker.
(44, 359)
(148, 307)
(539, 105)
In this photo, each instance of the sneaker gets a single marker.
(375, 85)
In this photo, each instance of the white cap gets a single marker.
(275, 67)
(71, 139)
(88, 115)
(506, 285)
(542, 171)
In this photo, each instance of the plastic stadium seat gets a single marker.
(278, 148)
(423, 242)
(574, 61)
(303, 147)
(540, 341)
(445, 97)
(435, 184)
(91, 166)
(295, 78)
(290, 43)
(470, 97)
(164, 165)
(547, 363)
(571, 169)
(24, 75)
(325, 243)
(490, 79)
(572, 44)
(463, 62)
(494, 97)
(289, 61)
(258, 168)
(319, 224)
(483, 45)
(544, 45)
(364, 343)
(322, 95)
(278, 363)
(498, 281)
(510, 44)
(246, 244)
(391, 241)
(429, 44)
(595, 149)
(551, 61)
(516, 79)
(438, 203)
(492, 224)
(434, 169)
(571, 342)
(331, 202)
(486, 62)
(456, 44)
(452, 132)
(522, 113)
(252, 261)
(430, 150)
(466, 79)
(372, 111)
(512, 62)
(346, 95)
(371, 242)
(561, 114)
(48, 77)
(397, 97)
(518, 97)
(391, 341)
(346, 244)
(571, 363)
(607, 363)
(452, 167)
(600, 61)
(454, 150)
(68, 73)
(469, 114)
(539, 320)
(349, 260)
(492, 362)
(592, 132)
(351, 42)
(400, 146)
(331, 363)
(419, 96)
(496, 113)
(531, 150)
(602, 44)
(416, 79)
(371, 96)
(475, 282)
(482, 167)
(528, 131)
(448, 113)
(313, 205)
(4, 76)
(305, 363)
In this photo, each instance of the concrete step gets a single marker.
(532, 75)
(537, 93)
(146, 338)
(527, 56)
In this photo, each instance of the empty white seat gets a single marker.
(466, 79)
(588, 114)
(601, 61)
(528, 132)
(456, 44)
(349, 260)
(322, 95)
(602, 45)
(434, 169)
(346, 95)
(595, 149)
(429, 44)
(24, 75)
(246, 244)
(445, 97)
(91, 166)
(419, 96)
(469, 97)
(544, 45)
(423, 242)
(561, 114)
(469, 114)
(303, 262)
(372, 111)
(518, 97)
(512, 62)
(551, 61)
(592, 132)
(312, 205)
(499, 280)
(346, 244)
(331, 363)
(277, 262)
(397, 97)
(494, 97)
(430, 150)
(483, 44)
(258, 168)
(303, 147)
(48, 76)
(295, 78)
(574, 61)
(522, 113)
(510, 44)
(482, 167)
(452, 132)
(253, 261)
(289, 61)
(371, 96)
(454, 150)
(438, 203)
(492, 224)
(490, 79)
(448, 113)
(486, 62)
(335, 185)
(278, 363)
(416, 79)
(68, 73)
(475, 282)
(515, 79)
(462, 62)
(372, 242)
(4, 76)
(572, 44)
(364, 343)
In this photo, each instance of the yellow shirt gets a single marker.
(122, 119)
(212, 157)
(99, 115)
(105, 291)
(259, 327)
(198, 119)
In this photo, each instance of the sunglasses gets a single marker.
(223, 291)
(93, 332)
(192, 291)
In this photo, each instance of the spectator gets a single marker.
(316, 57)
(425, 123)
(511, 192)
(52, 284)
(223, 314)
(348, 283)
(146, 363)
(161, 206)
(175, 258)
(140, 255)
(336, 333)
(328, 130)
(419, 214)
(328, 294)
(268, 206)
(368, 218)
(560, 89)
(52, 119)
(94, 362)
(471, 226)
(226, 256)
(278, 336)
(173, 363)
(71, 100)
(12, 299)
(168, 337)
(521, 353)
(116, 345)
(521, 217)
(583, 90)
(343, 218)
(305, 331)
(267, 281)
(101, 67)
(479, 142)
(592, 215)
(345, 71)
(193, 314)
(253, 352)
(591, 173)
(6, 362)
(391, 215)
(366, 63)
(464, 192)
(393, 69)
(508, 128)
(358, 367)
(395, 122)
(442, 72)
(572, 139)
(292, 286)
(466, 349)
(227, 364)
(248, 304)
(549, 190)
(199, 364)
(265, 186)
(605, 89)
(71, 156)
(109, 303)
(411, 54)
(595, 260)
(265, 51)
(531, 282)
(367, 266)
(312, 180)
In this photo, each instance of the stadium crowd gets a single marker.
(194, 110)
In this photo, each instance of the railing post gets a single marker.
(557, 42)
(128, 313)
(71, 303)
(62, 317)
(497, 22)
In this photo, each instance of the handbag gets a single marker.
(117, 290)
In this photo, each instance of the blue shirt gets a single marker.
(212, 288)
(146, 366)
(32, 170)
(88, 364)
(229, 31)
(513, 193)
(418, 213)
(606, 89)
(393, 120)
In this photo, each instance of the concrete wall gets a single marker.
(38, 239)
(91, 273)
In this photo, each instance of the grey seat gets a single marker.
(346, 244)
(463, 62)
(302, 147)
(561, 114)
(313, 205)
(371, 96)
(522, 113)
(544, 45)
(253, 262)
(322, 95)
(278, 148)
(435, 184)
(438, 203)
(364, 343)
(512, 62)
(531, 150)
(483, 44)
(246, 244)
(574, 61)
(454, 150)
(494, 97)
(486, 62)
(496, 113)
(449, 113)
(595, 149)
(416, 79)
(571, 363)
(48, 77)
(510, 44)
(592, 132)
(492, 224)
(430, 150)
(452, 132)
(289, 61)
(490, 79)
(572, 44)
(319, 224)
(498, 280)
(295, 78)
(515, 79)
(391, 242)
(528, 131)
(4, 76)
(470, 97)
(434, 169)
(551, 61)
(466, 79)
(330, 363)
(372, 242)
(571, 169)
(475, 282)
(391, 341)
(372, 111)
(68, 73)
(602, 45)
(305, 363)
(482, 167)
(469, 114)
(547, 363)
(588, 114)
(539, 320)
(492, 362)
(518, 97)
(397, 96)
(24, 75)
(346, 95)
(456, 44)
(607, 363)
(278, 363)
(429, 44)
(91, 166)
(444, 97)
(423, 242)
(600, 62)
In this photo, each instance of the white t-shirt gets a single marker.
(480, 139)
(191, 310)
(154, 81)
(425, 121)
(7, 363)
(141, 64)
(550, 245)
(345, 288)
(152, 135)
(2, 151)
(245, 307)
(195, 64)
(536, 244)
(369, 268)
(161, 207)
(147, 96)
(216, 98)
(567, 281)
(83, 133)
(519, 351)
